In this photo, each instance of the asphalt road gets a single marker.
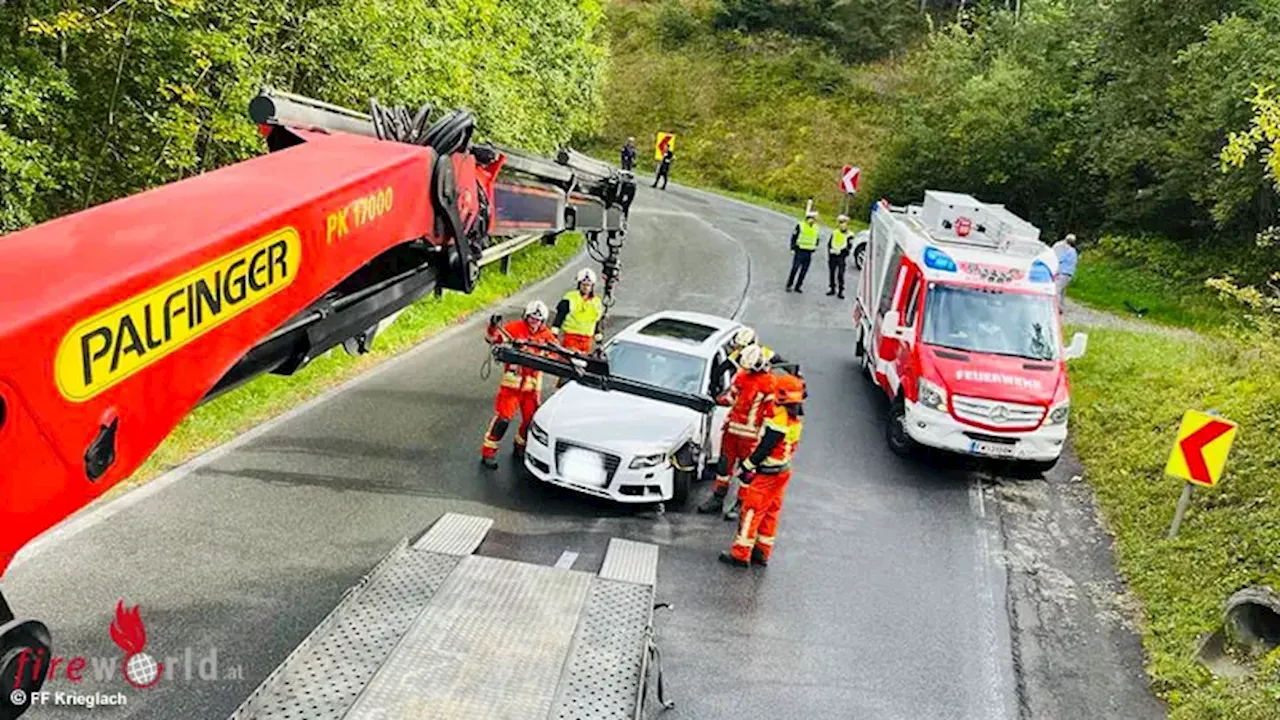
(887, 597)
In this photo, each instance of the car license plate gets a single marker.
(991, 449)
(583, 467)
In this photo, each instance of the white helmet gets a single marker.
(586, 275)
(752, 358)
(744, 337)
(536, 309)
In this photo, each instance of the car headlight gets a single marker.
(932, 396)
(538, 433)
(640, 462)
(1058, 415)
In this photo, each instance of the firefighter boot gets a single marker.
(758, 558)
(714, 501)
(727, 558)
(489, 462)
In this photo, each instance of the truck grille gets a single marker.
(611, 461)
(993, 413)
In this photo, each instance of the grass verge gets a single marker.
(1107, 282)
(1129, 394)
(267, 396)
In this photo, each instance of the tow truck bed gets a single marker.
(435, 631)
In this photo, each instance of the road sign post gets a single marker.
(1183, 501)
(1199, 455)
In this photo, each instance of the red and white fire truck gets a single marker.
(957, 321)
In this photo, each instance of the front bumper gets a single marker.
(940, 430)
(649, 485)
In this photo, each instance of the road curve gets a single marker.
(885, 599)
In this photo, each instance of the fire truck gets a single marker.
(117, 321)
(956, 321)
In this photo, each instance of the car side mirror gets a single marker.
(891, 326)
(1079, 345)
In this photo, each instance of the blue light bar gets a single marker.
(1040, 273)
(938, 260)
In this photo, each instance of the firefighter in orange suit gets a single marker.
(750, 398)
(765, 476)
(521, 387)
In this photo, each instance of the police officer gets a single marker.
(838, 256)
(804, 240)
(629, 154)
(664, 168)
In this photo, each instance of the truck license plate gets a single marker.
(990, 449)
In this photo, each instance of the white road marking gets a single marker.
(567, 559)
(976, 501)
(637, 210)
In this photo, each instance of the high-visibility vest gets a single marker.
(808, 239)
(779, 459)
(584, 314)
(839, 241)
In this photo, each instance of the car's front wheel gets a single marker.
(860, 256)
(681, 485)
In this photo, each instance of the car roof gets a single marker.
(664, 330)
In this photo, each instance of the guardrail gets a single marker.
(502, 252)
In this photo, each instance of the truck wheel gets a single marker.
(681, 483)
(859, 256)
(896, 429)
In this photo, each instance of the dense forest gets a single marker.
(101, 98)
(1085, 116)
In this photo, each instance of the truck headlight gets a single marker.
(538, 433)
(640, 462)
(932, 396)
(1058, 415)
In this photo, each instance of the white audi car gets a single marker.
(620, 446)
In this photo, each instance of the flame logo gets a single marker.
(129, 633)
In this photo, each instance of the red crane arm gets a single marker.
(116, 302)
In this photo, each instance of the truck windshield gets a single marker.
(991, 321)
(664, 368)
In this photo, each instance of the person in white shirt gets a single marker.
(1068, 258)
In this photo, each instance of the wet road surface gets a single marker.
(885, 598)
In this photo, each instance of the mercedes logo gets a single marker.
(999, 413)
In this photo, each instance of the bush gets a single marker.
(855, 30)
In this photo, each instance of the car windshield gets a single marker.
(665, 368)
(991, 321)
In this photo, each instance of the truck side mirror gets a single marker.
(1079, 344)
(891, 325)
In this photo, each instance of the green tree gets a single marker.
(107, 97)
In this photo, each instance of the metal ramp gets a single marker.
(435, 632)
